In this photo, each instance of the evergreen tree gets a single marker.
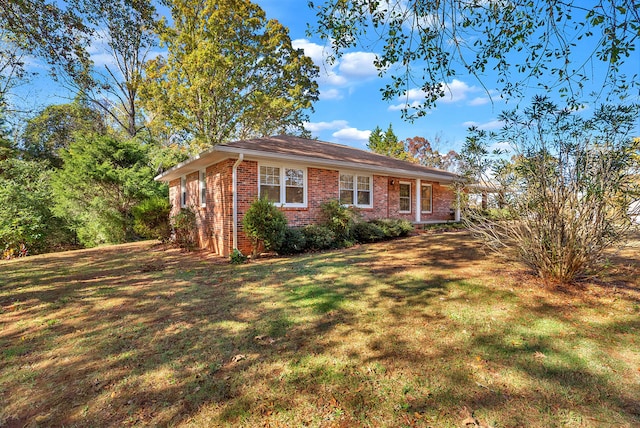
(387, 143)
(101, 180)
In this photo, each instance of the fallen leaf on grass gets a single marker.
(470, 420)
(238, 358)
(539, 355)
(264, 340)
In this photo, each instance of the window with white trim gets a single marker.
(183, 192)
(355, 190)
(405, 197)
(283, 185)
(426, 194)
(203, 189)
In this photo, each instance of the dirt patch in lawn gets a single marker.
(424, 331)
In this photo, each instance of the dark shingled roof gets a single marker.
(317, 151)
(297, 146)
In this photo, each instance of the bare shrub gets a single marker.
(564, 196)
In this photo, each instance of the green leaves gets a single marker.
(101, 180)
(386, 143)
(542, 43)
(229, 73)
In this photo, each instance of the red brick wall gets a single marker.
(443, 201)
(174, 196)
(219, 207)
(247, 193)
(215, 230)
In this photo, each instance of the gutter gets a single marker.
(234, 185)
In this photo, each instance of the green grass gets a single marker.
(404, 333)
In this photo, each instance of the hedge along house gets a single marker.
(298, 175)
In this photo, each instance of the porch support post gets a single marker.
(418, 202)
(457, 218)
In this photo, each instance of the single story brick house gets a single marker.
(298, 175)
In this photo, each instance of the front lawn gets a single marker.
(421, 331)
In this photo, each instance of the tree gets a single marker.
(421, 151)
(386, 143)
(431, 42)
(229, 73)
(127, 28)
(26, 219)
(47, 30)
(101, 180)
(567, 192)
(12, 57)
(55, 128)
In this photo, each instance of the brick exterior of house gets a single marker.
(215, 220)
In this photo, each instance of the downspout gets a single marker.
(418, 200)
(234, 185)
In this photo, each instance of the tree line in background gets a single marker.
(415, 149)
(78, 174)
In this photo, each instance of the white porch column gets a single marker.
(418, 202)
(457, 218)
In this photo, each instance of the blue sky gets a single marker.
(351, 104)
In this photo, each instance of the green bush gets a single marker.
(338, 218)
(365, 231)
(294, 241)
(318, 237)
(151, 218)
(393, 227)
(184, 228)
(265, 225)
(236, 257)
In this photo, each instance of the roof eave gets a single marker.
(174, 172)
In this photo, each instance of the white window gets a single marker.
(355, 190)
(183, 192)
(283, 185)
(425, 198)
(405, 197)
(203, 189)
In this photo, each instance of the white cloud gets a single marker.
(479, 101)
(314, 51)
(352, 134)
(347, 71)
(503, 145)
(330, 94)
(343, 132)
(397, 107)
(456, 91)
(487, 126)
(326, 126)
(414, 95)
(358, 64)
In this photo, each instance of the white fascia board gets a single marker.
(337, 165)
(196, 163)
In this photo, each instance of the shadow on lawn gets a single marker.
(138, 335)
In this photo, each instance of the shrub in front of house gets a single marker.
(365, 232)
(151, 218)
(338, 218)
(184, 228)
(393, 227)
(294, 242)
(265, 225)
(318, 237)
